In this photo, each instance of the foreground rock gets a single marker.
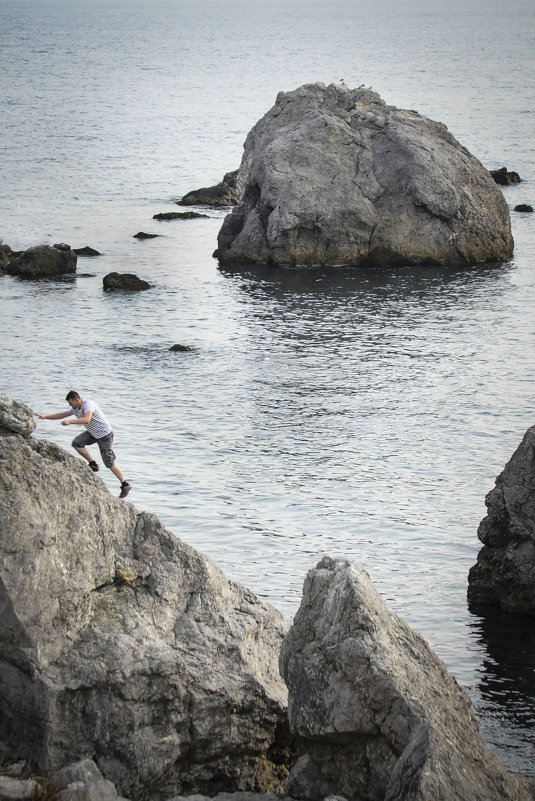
(378, 715)
(222, 194)
(504, 575)
(43, 261)
(125, 282)
(121, 644)
(331, 176)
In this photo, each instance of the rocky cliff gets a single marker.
(377, 714)
(332, 176)
(504, 574)
(122, 644)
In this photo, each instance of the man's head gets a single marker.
(73, 399)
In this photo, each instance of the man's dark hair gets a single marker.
(72, 395)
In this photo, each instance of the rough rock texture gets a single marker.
(15, 417)
(378, 715)
(83, 781)
(13, 789)
(222, 194)
(505, 571)
(126, 282)
(122, 644)
(331, 176)
(43, 261)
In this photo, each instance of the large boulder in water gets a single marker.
(504, 574)
(122, 644)
(43, 261)
(377, 714)
(332, 176)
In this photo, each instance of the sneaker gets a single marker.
(125, 489)
(94, 467)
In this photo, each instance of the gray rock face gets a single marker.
(43, 261)
(331, 176)
(15, 417)
(122, 644)
(378, 715)
(505, 571)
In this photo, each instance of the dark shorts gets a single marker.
(104, 443)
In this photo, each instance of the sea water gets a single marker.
(355, 413)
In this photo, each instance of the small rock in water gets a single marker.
(178, 215)
(124, 281)
(86, 251)
(181, 348)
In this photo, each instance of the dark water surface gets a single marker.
(362, 414)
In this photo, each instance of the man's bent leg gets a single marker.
(80, 444)
(84, 452)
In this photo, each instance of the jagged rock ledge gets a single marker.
(168, 680)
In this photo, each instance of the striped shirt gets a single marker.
(98, 426)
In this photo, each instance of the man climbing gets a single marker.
(98, 431)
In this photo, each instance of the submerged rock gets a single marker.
(377, 714)
(43, 261)
(179, 215)
(86, 251)
(178, 348)
(143, 235)
(331, 176)
(122, 644)
(504, 575)
(127, 282)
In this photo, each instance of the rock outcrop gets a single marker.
(43, 261)
(377, 714)
(222, 194)
(504, 574)
(120, 643)
(332, 176)
(124, 282)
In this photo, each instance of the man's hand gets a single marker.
(67, 422)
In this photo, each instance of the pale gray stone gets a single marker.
(331, 176)
(121, 643)
(504, 575)
(377, 713)
(101, 790)
(15, 417)
(12, 789)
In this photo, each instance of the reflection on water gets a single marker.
(506, 680)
